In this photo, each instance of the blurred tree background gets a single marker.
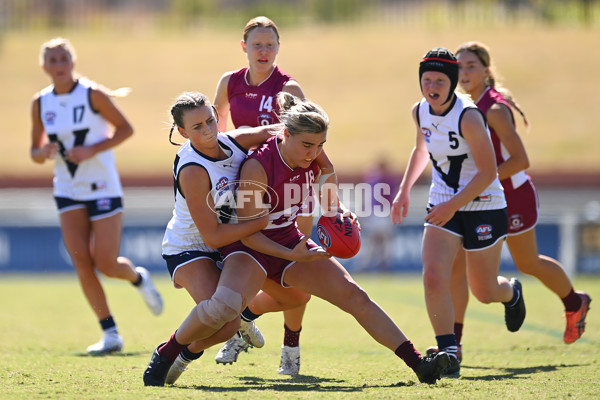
(108, 14)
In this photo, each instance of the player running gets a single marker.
(466, 206)
(71, 121)
(477, 78)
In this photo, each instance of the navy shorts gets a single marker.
(174, 261)
(478, 229)
(97, 209)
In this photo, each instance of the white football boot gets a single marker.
(290, 361)
(110, 343)
(176, 370)
(228, 354)
(148, 291)
(251, 334)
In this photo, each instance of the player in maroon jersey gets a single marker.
(476, 77)
(248, 95)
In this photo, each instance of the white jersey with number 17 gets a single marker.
(69, 120)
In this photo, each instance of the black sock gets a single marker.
(188, 356)
(139, 280)
(248, 315)
(514, 299)
(108, 324)
(447, 343)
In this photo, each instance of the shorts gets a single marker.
(175, 261)
(274, 267)
(97, 209)
(478, 229)
(522, 208)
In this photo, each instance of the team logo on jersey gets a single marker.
(221, 183)
(251, 95)
(103, 204)
(265, 119)
(426, 133)
(49, 117)
(484, 232)
(515, 222)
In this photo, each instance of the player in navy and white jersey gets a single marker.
(466, 203)
(248, 95)
(71, 124)
(281, 253)
(449, 155)
(205, 171)
(477, 78)
(181, 234)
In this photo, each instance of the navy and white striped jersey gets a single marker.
(181, 233)
(451, 157)
(69, 120)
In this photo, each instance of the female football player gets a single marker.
(466, 203)
(477, 78)
(71, 122)
(205, 173)
(248, 95)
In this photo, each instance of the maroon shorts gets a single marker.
(522, 208)
(274, 267)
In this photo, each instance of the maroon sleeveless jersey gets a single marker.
(490, 97)
(288, 188)
(255, 105)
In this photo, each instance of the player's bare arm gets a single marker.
(195, 186)
(253, 181)
(41, 148)
(417, 162)
(501, 121)
(221, 101)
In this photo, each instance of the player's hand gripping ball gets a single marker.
(339, 236)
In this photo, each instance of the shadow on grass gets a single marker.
(298, 383)
(114, 354)
(514, 373)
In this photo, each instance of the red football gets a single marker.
(339, 236)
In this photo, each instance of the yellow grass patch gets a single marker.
(365, 76)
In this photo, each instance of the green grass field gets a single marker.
(45, 326)
(365, 76)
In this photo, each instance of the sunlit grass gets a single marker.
(48, 326)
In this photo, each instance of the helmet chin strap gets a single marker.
(450, 97)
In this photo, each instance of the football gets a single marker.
(339, 236)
